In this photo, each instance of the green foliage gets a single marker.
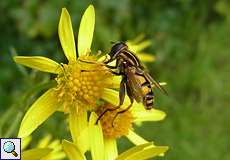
(191, 43)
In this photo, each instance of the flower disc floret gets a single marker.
(114, 128)
(80, 84)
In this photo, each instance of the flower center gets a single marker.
(114, 128)
(80, 84)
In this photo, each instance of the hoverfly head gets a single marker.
(116, 49)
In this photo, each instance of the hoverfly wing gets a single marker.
(155, 83)
(134, 84)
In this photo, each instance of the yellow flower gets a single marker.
(92, 138)
(79, 84)
(138, 45)
(122, 125)
(45, 149)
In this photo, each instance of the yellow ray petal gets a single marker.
(44, 106)
(112, 97)
(44, 142)
(40, 63)
(25, 142)
(146, 57)
(66, 35)
(72, 151)
(37, 154)
(110, 149)
(140, 114)
(113, 82)
(136, 139)
(85, 35)
(148, 152)
(83, 142)
(133, 150)
(77, 122)
(96, 138)
(139, 46)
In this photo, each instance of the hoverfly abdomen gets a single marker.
(148, 100)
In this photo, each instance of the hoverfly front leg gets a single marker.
(121, 98)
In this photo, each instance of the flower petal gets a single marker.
(83, 142)
(148, 152)
(137, 47)
(110, 149)
(85, 35)
(57, 151)
(146, 57)
(133, 150)
(44, 142)
(136, 139)
(45, 106)
(40, 63)
(25, 142)
(111, 96)
(37, 154)
(66, 35)
(140, 114)
(77, 122)
(96, 138)
(72, 151)
(113, 82)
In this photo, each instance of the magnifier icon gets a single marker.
(9, 147)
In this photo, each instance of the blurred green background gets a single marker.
(190, 41)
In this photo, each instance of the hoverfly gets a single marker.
(136, 82)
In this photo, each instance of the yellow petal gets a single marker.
(112, 97)
(110, 149)
(55, 156)
(96, 138)
(140, 114)
(163, 83)
(44, 106)
(136, 139)
(37, 154)
(77, 122)
(83, 142)
(38, 62)
(147, 153)
(66, 35)
(72, 151)
(25, 142)
(55, 145)
(85, 35)
(138, 46)
(133, 150)
(138, 39)
(113, 82)
(146, 57)
(44, 142)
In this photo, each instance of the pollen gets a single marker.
(80, 84)
(114, 128)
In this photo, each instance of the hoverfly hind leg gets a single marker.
(129, 93)
(122, 111)
(121, 98)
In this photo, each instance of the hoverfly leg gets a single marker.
(105, 111)
(121, 98)
(115, 73)
(129, 93)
